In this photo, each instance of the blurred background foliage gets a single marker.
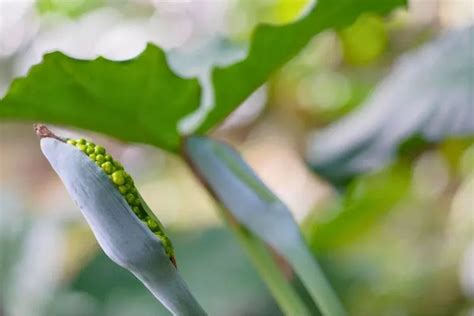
(396, 241)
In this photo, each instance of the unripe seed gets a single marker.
(99, 150)
(99, 158)
(71, 142)
(92, 156)
(152, 224)
(81, 147)
(118, 165)
(90, 144)
(140, 212)
(81, 141)
(89, 150)
(118, 178)
(166, 242)
(123, 189)
(108, 167)
(108, 157)
(130, 197)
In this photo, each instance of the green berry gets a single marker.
(118, 177)
(130, 197)
(81, 147)
(159, 233)
(89, 150)
(123, 189)
(137, 202)
(152, 224)
(108, 167)
(81, 141)
(92, 156)
(127, 186)
(108, 157)
(118, 165)
(141, 214)
(99, 158)
(90, 144)
(71, 142)
(99, 150)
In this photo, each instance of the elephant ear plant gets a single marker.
(154, 103)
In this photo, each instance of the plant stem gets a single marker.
(315, 281)
(258, 218)
(283, 292)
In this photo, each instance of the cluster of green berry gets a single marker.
(124, 183)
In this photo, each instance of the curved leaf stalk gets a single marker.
(282, 290)
(253, 205)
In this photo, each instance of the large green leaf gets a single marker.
(429, 94)
(142, 100)
(273, 46)
(138, 100)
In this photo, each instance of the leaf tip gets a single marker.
(42, 131)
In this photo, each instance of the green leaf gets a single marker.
(142, 100)
(272, 46)
(430, 94)
(249, 202)
(138, 100)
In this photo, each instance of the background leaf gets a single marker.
(428, 94)
(142, 100)
(273, 46)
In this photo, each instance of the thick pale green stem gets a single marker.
(253, 206)
(313, 278)
(283, 292)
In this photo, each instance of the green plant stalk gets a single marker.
(251, 204)
(284, 293)
(282, 290)
(315, 282)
